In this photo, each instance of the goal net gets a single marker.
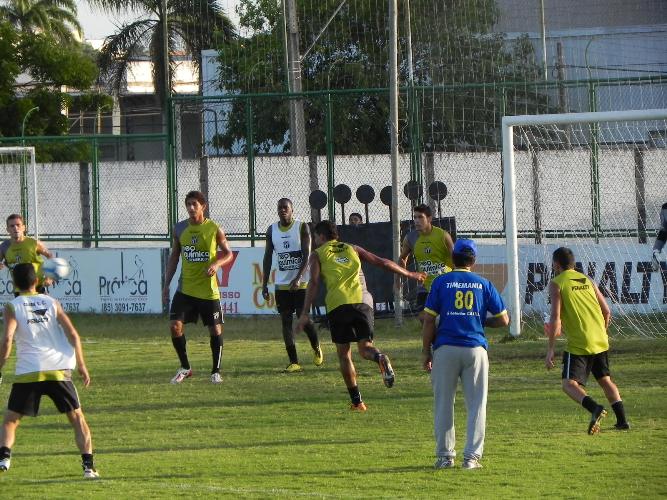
(596, 183)
(19, 181)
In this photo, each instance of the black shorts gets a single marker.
(25, 397)
(577, 367)
(662, 235)
(351, 323)
(420, 299)
(187, 309)
(290, 302)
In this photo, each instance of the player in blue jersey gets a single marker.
(463, 300)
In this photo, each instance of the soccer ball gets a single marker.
(55, 268)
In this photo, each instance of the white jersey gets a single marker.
(287, 246)
(41, 343)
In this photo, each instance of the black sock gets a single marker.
(87, 460)
(589, 403)
(376, 356)
(179, 345)
(291, 352)
(5, 452)
(619, 411)
(355, 395)
(311, 332)
(216, 352)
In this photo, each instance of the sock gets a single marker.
(355, 395)
(619, 411)
(5, 452)
(179, 345)
(376, 356)
(216, 352)
(589, 403)
(310, 331)
(87, 460)
(291, 352)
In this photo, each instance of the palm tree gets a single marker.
(193, 26)
(56, 17)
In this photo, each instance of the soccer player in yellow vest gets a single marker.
(203, 249)
(48, 349)
(431, 247)
(579, 308)
(290, 240)
(22, 249)
(349, 305)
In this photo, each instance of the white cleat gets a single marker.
(181, 375)
(90, 473)
(216, 378)
(471, 463)
(4, 464)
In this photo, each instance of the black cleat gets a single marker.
(625, 426)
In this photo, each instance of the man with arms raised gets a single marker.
(290, 240)
(349, 306)
(204, 249)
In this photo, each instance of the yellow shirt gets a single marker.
(198, 251)
(339, 267)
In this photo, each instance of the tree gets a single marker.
(192, 24)
(452, 45)
(56, 17)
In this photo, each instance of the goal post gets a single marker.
(600, 192)
(19, 171)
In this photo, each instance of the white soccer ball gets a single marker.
(56, 268)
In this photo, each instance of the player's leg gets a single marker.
(602, 375)
(181, 311)
(420, 303)
(475, 381)
(658, 246)
(341, 335)
(213, 319)
(575, 373)
(7, 437)
(24, 399)
(309, 329)
(361, 316)
(445, 374)
(84, 442)
(286, 307)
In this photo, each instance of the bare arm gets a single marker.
(42, 250)
(75, 341)
(223, 255)
(554, 324)
(305, 252)
(449, 244)
(428, 336)
(498, 321)
(172, 264)
(266, 263)
(8, 338)
(405, 253)
(311, 291)
(388, 265)
(604, 307)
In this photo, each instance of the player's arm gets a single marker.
(553, 330)
(223, 255)
(305, 252)
(388, 265)
(2, 255)
(266, 263)
(428, 336)
(311, 291)
(8, 338)
(449, 244)
(498, 321)
(405, 253)
(172, 264)
(42, 250)
(75, 341)
(604, 307)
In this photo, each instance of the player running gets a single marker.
(204, 249)
(289, 239)
(432, 249)
(20, 248)
(48, 348)
(578, 305)
(349, 306)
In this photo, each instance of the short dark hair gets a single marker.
(287, 200)
(327, 229)
(423, 209)
(196, 195)
(356, 214)
(24, 276)
(463, 259)
(564, 257)
(14, 216)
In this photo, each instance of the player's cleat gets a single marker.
(181, 375)
(293, 368)
(444, 463)
(90, 472)
(359, 407)
(594, 424)
(386, 370)
(216, 378)
(471, 463)
(318, 357)
(625, 426)
(4, 464)
(655, 260)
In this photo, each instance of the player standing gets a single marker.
(48, 348)
(349, 306)
(432, 249)
(458, 350)
(20, 248)
(578, 306)
(197, 240)
(290, 240)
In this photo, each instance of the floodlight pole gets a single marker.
(24, 180)
(393, 128)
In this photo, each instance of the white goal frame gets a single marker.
(30, 150)
(509, 184)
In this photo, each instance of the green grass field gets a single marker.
(264, 434)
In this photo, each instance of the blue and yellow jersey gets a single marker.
(198, 251)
